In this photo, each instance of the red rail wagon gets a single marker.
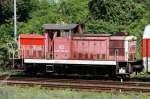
(146, 49)
(64, 47)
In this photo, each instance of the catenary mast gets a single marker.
(15, 21)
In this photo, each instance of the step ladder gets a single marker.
(49, 68)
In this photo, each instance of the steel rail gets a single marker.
(90, 85)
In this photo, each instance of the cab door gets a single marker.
(62, 46)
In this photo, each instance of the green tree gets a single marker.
(5, 12)
(24, 8)
(120, 11)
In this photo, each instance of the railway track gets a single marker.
(79, 84)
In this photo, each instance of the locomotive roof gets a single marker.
(92, 35)
(60, 26)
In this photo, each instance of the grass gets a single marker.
(14, 92)
(4, 72)
(140, 76)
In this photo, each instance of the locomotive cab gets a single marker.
(60, 36)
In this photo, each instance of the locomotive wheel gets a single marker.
(30, 70)
(112, 75)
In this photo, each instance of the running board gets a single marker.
(79, 62)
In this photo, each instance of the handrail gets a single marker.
(116, 55)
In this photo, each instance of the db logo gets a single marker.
(61, 47)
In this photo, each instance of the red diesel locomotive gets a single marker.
(66, 49)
